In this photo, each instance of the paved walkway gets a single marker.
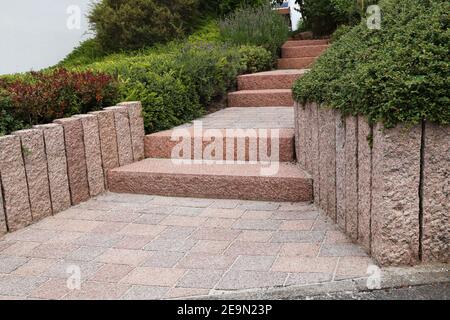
(148, 247)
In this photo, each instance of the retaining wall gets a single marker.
(48, 168)
(388, 189)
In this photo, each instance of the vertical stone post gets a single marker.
(351, 177)
(340, 170)
(122, 124)
(3, 227)
(136, 128)
(364, 182)
(395, 194)
(108, 141)
(55, 150)
(76, 159)
(315, 151)
(14, 182)
(35, 160)
(436, 194)
(308, 144)
(93, 154)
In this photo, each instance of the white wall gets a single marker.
(34, 33)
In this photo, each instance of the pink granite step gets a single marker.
(243, 144)
(296, 63)
(300, 43)
(278, 79)
(261, 98)
(223, 181)
(303, 51)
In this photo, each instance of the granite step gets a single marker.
(303, 51)
(295, 63)
(245, 181)
(278, 79)
(261, 98)
(300, 43)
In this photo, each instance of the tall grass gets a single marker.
(260, 26)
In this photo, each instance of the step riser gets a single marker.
(161, 146)
(217, 187)
(260, 100)
(296, 63)
(300, 43)
(267, 82)
(302, 52)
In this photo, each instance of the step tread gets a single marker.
(168, 167)
(262, 91)
(282, 72)
(297, 43)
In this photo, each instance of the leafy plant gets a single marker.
(398, 74)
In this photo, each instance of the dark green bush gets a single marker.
(259, 26)
(223, 7)
(398, 74)
(134, 24)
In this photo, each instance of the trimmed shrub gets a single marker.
(134, 24)
(398, 74)
(259, 26)
(41, 97)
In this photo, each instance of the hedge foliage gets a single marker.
(398, 74)
(41, 97)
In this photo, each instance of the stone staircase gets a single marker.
(253, 157)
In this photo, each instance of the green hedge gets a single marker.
(398, 74)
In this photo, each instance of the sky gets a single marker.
(34, 33)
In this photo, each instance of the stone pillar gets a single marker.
(108, 141)
(436, 194)
(122, 124)
(93, 154)
(364, 182)
(35, 159)
(327, 161)
(351, 177)
(55, 150)
(315, 152)
(3, 227)
(307, 131)
(395, 190)
(137, 130)
(14, 182)
(76, 159)
(340, 171)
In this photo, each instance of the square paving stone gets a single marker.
(31, 234)
(353, 267)
(53, 289)
(222, 213)
(183, 221)
(119, 216)
(308, 278)
(170, 245)
(297, 225)
(238, 280)
(53, 250)
(254, 263)
(297, 206)
(257, 215)
(298, 236)
(305, 265)
(34, 267)
(258, 205)
(150, 219)
(176, 233)
(86, 253)
(243, 224)
(98, 291)
(64, 269)
(125, 197)
(123, 256)
(111, 273)
(145, 293)
(201, 279)
(155, 209)
(225, 204)
(164, 277)
(255, 236)
(133, 242)
(215, 234)
(218, 223)
(18, 285)
(20, 248)
(342, 250)
(253, 248)
(187, 211)
(205, 261)
(9, 264)
(336, 237)
(163, 259)
(99, 240)
(110, 227)
(175, 293)
(210, 246)
(300, 249)
(294, 215)
(183, 202)
(148, 230)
